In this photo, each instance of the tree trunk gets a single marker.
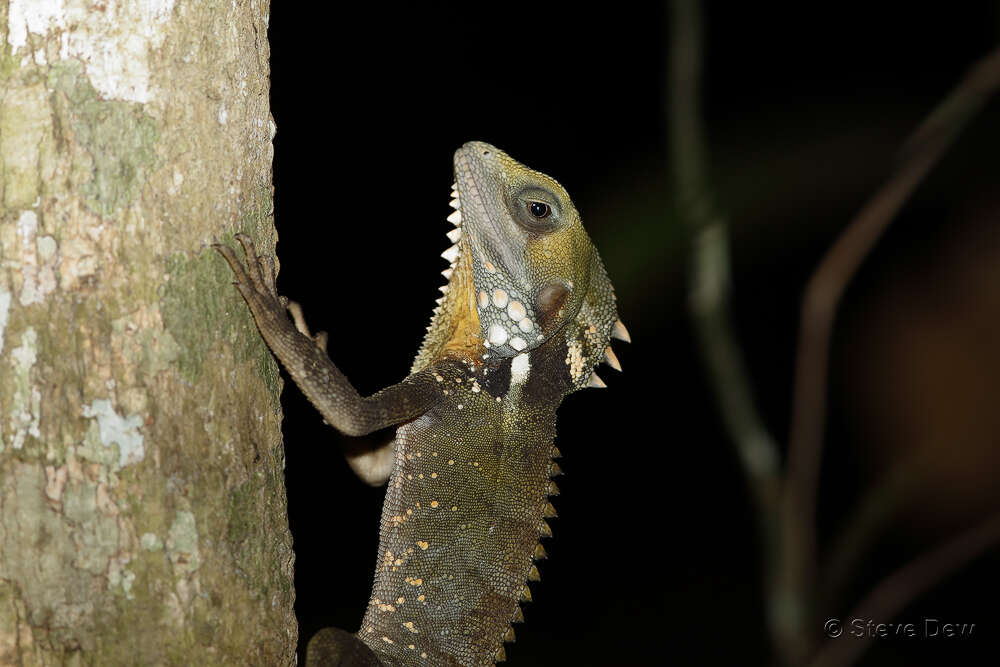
(142, 501)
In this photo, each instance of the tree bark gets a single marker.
(142, 500)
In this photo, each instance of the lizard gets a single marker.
(526, 314)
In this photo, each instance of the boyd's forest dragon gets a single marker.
(526, 314)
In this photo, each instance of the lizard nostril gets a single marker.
(486, 153)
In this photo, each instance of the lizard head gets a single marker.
(522, 266)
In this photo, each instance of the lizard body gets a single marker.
(527, 313)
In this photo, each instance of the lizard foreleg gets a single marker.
(305, 359)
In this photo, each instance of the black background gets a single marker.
(655, 556)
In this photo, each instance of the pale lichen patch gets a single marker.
(116, 44)
(32, 16)
(4, 313)
(24, 136)
(143, 343)
(151, 542)
(121, 577)
(25, 407)
(182, 544)
(35, 257)
(113, 429)
(79, 542)
(119, 138)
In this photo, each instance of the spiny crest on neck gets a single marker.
(454, 329)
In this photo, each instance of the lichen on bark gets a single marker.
(118, 139)
(142, 506)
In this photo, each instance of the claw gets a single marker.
(253, 262)
(234, 264)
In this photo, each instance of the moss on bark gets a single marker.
(142, 504)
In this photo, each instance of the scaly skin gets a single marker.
(527, 313)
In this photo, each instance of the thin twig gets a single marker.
(822, 295)
(710, 281)
(877, 507)
(710, 284)
(897, 590)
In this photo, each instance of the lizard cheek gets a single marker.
(550, 300)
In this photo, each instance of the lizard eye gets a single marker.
(539, 209)
(536, 210)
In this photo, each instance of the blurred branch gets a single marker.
(822, 295)
(710, 280)
(877, 508)
(897, 590)
(786, 509)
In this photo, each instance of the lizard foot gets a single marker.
(256, 282)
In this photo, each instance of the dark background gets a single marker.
(655, 556)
